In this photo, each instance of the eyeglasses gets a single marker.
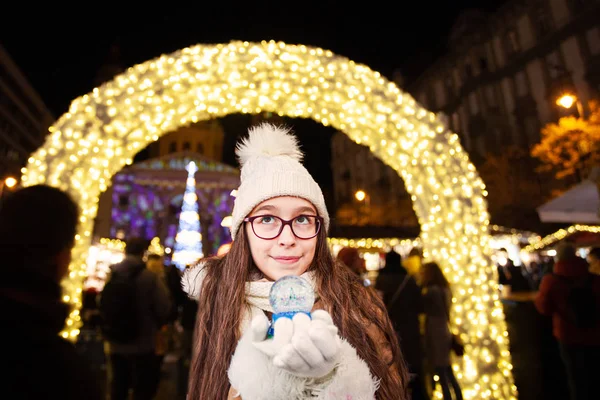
(268, 227)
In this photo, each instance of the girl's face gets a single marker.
(286, 254)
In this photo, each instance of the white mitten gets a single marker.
(282, 336)
(304, 359)
(314, 349)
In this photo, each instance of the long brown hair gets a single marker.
(432, 275)
(222, 305)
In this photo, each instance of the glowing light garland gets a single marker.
(379, 244)
(104, 129)
(560, 235)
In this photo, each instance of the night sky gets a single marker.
(61, 50)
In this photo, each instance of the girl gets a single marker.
(346, 350)
(437, 298)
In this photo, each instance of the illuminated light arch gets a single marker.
(103, 130)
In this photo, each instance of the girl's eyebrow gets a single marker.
(304, 209)
(266, 207)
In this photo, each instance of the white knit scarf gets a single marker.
(257, 292)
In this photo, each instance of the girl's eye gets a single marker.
(266, 219)
(306, 220)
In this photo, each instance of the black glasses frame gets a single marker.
(283, 225)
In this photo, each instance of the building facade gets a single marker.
(204, 138)
(499, 81)
(496, 87)
(24, 118)
(386, 201)
(145, 200)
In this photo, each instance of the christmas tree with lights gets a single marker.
(188, 242)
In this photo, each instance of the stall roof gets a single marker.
(580, 204)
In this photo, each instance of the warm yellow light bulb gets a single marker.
(566, 100)
(360, 195)
(10, 182)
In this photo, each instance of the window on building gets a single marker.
(521, 83)
(456, 75)
(543, 19)
(532, 130)
(492, 141)
(512, 42)
(477, 130)
(14, 87)
(432, 100)
(490, 96)
(468, 71)
(455, 122)
(473, 103)
(200, 148)
(449, 82)
(172, 147)
(186, 146)
(555, 65)
(123, 200)
(383, 182)
(483, 66)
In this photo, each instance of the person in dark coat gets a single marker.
(134, 364)
(437, 300)
(37, 232)
(510, 275)
(403, 299)
(579, 343)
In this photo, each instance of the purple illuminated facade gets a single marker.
(147, 198)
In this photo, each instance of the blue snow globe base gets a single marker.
(290, 295)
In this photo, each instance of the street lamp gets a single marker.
(567, 100)
(9, 182)
(361, 196)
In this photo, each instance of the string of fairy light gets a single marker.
(386, 244)
(560, 235)
(104, 129)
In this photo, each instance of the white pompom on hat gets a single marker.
(270, 161)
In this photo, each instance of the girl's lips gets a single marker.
(286, 260)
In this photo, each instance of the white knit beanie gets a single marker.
(270, 161)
